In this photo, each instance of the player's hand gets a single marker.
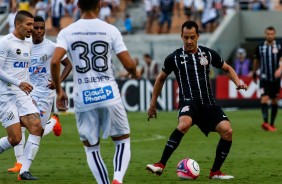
(50, 85)
(26, 87)
(62, 100)
(137, 75)
(152, 112)
(277, 73)
(242, 86)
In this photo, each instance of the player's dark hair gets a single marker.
(38, 19)
(270, 28)
(86, 5)
(190, 24)
(21, 15)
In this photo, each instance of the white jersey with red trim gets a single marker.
(89, 43)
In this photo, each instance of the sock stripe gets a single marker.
(100, 167)
(120, 156)
(116, 157)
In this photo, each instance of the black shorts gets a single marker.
(269, 88)
(206, 117)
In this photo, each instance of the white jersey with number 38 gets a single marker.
(89, 43)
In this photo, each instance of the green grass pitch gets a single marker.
(255, 156)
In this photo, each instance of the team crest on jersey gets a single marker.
(203, 59)
(18, 51)
(44, 58)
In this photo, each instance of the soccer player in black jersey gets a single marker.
(191, 66)
(268, 56)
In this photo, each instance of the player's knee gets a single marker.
(184, 126)
(36, 129)
(227, 135)
(15, 140)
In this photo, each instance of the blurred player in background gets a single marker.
(40, 78)
(191, 66)
(98, 105)
(268, 57)
(18, 110)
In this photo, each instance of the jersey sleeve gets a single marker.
(118, 43)
(3, 75)
(61, 41)
(169, 64)
(216, 60)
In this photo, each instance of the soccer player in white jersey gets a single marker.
(98, 104)
(40, 78)
(16, 107)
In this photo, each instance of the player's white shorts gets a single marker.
(44, 106)
(8, 110)
(111, 120)
(25, 105)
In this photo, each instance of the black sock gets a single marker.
(274, 109)
(222, 151)
(264, 110)
(171, 145)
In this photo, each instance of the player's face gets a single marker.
(269, 35)
(38, 32)
(25, 28)
(190, 39)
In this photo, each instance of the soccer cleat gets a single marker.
(57, 129)
(116, 182)
(272, 128)
(156, 168)
(265, 126)
(26, 176)
(16, 168)
(220, 175)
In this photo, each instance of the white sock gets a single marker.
(49, 126)
(19, 149)
(4, 144)
(96, 164)
(121, 158)
(30, 151)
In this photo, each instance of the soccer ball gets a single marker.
(188, 169)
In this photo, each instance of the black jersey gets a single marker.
(192, 73)
(269, 56)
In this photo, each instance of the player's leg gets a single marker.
(273, 94)
(44, 106)
(19, 153)
(184, 124)
(120, 133)
(30, 118)
(264, 104)
(225, 131)
(10, 121)
(88, 126)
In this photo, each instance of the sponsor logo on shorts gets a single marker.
(185, 109)
(97, 95)
(10, 115)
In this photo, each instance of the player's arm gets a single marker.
(128, 64)
(278, 72)
(152, 111)
(67, 69)
(62, 99)
(230, 72)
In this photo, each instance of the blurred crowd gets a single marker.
(159, 15)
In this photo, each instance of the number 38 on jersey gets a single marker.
(94, 56)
